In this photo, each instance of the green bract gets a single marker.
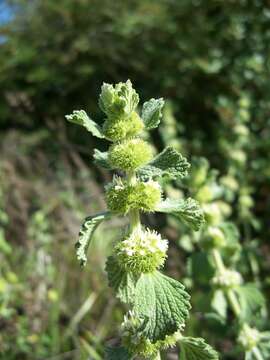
(158, 305)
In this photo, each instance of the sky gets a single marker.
(5, 12)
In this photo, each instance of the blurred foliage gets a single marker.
(211, 60)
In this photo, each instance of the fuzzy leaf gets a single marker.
(85, 235)
(162, 304)
(122, 282)
(187, 210)
(151, 113)
(251, 300)
(80, 117)
(168, 163)
(117, 353)
(101, 159)
(196, 349)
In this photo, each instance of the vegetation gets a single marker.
(213, 72)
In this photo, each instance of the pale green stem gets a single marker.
(233, 301)
(158, 357)
(134, 215)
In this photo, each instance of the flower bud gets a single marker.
(130, 154)
(143, 251)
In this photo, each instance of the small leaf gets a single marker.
(80, 117)
(101, 159)
(122, 282)
(187, 210)
(251, 300)
(85, 235)
(117, 353)
(151, 113)
(162, 304)
(168, 163)
(196, 349)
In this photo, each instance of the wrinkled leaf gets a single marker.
(162, 304)
(168, 163)
(187, 210)
(122, 282)
(117, 353)
(80, 117)
(196, 349)
(152, 113)
(101, 159)
(85, 235)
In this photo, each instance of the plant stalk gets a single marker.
(134, 215)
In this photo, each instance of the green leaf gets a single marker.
(232, 236)
(168, 163)
(196, 349)
(101, 159)
(251, 300)
(219, 303)
(80, 117)
(85, 235)
(117, 353)
(162, 304)
(122, 282)
(187, 210)
(151, 113)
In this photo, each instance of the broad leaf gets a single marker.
(80, 117)
(122, 282)
(187, 210)
(162, 304)
(151, 113)
(168, 163)
(196, 349)
(85, 235)
(101, 159)
(117, 353)
(251, 300)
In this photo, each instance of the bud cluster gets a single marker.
(122, 197)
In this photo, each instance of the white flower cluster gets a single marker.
(143, 243)
(228, 278)
(249, 337)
